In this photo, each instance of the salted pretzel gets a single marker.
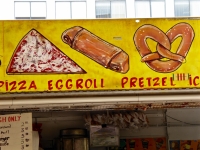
(153, 60)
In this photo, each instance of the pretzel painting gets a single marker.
(153, 59)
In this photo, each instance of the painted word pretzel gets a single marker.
(154, 59)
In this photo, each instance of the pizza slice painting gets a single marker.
(36, 54)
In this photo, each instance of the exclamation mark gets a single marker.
(181, 75)
(178, 76)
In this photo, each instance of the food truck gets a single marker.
(106, 83)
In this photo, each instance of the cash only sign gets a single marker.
(16, 131)
(117, 54)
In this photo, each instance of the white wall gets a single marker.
(91, 9)
(169, 8)
(130, 8)
(50, 9)
(7, 9)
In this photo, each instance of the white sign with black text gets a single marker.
(16, 131)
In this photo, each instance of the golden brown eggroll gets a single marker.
(97, 49)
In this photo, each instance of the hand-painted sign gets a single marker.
(16, 131)
(79, 55)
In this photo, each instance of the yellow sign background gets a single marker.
(12, 32)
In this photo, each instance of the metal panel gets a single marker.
(100, 93)
(184, 133)
(149, 132)
(182, 116)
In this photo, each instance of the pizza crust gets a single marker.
(36, 54)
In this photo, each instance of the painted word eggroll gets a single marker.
(97, 49)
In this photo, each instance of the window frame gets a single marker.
(30, 10)
(150, 7)
(70, 1)
(111, 7)
(175, 8)
(189, 8)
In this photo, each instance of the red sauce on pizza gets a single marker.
(36, 54)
